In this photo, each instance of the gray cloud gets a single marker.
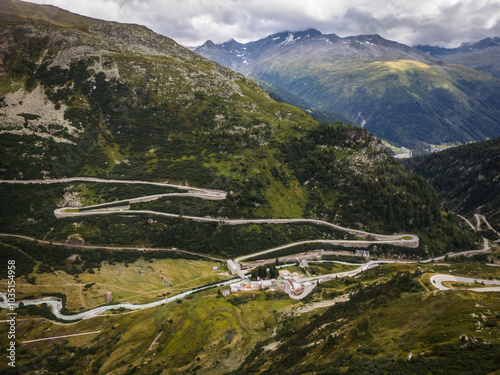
(191, 22)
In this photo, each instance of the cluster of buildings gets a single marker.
(296, 286)
(249, 285)
(285, 284)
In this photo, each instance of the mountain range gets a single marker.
(397, 92)
(483, 55)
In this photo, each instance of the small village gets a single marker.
(285, 282)
(296, 285)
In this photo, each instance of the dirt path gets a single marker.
(151, 347)
(61, 337)
(82, 299)
(117, 248)
(317, 305)
(424, 286)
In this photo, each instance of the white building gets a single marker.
(233, 268)
(296, 287)
(363, 253)
(247, 285)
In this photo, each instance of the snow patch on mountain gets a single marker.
(289, 39)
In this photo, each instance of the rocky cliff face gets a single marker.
(120, 52)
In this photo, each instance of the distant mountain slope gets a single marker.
(398, 93)
(282, 95)
(467, 177)
(483, 55)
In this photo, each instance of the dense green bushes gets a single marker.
(298, 340)
(24, 263)
(377, 191)
(53, 258)
(265, 272)
(466, 177)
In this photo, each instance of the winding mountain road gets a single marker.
(123, 207)
(482, 217)
(467, 221)
(334, 242)
(465, 253)
(108, 181)
(116, 207)
(118, 248)
(437, 281)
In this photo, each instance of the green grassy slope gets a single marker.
(119, 101)
(203, 334)
(393, 310)
(13, 11)
(466, 177)
(400, 100)
(450, 332)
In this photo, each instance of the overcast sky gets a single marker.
(191, 22)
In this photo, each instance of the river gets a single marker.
(56, 306)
